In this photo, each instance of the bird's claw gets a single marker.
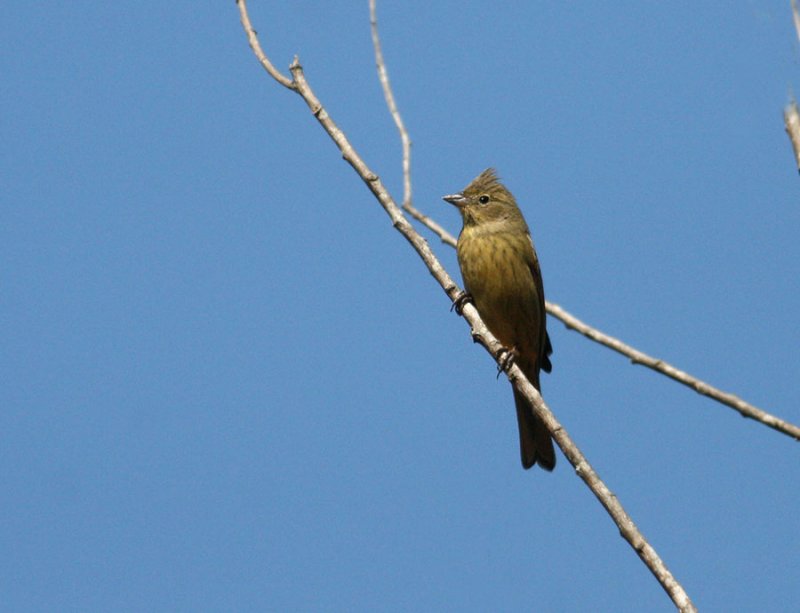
(462, 299)
(505, 359)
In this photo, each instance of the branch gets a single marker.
(791, 115)
(701, 387)
(607, 498)
(791, 123)
(252, 39)
(383, 77)
(480, 332)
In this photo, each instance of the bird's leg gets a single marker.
(461, 299)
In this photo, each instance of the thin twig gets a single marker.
(480, 333)
(383, 77)
(388, 94)
(252, 39)
(791, 115)
(701, 387)
(791, 122)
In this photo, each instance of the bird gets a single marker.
(502, 278)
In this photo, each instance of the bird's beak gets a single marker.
(458, 200)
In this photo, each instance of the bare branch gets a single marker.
(701, 387)
(607, 498)
(480, 332)
(383, 77)
(791, 121)
(791, 115)
(584, 470)
(252, 39)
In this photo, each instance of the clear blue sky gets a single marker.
(229, 384)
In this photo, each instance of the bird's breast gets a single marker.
(497, 273)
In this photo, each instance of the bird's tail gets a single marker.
(535, 444)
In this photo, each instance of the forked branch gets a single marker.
(480, 332)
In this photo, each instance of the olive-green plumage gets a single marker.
(501, 272)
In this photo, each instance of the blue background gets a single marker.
(228, 384)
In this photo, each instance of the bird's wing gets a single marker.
(536, 273)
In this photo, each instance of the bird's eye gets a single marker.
(483, 199)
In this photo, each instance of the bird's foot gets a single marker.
(505, 359)
(462, 299)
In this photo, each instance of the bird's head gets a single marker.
(486, 200)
